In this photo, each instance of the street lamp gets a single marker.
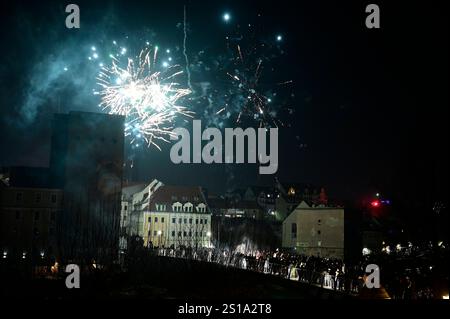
(159, 238)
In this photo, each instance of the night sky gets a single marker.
(367, 110)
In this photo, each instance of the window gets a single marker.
(206, 221)
(185, 220)
(174, 220)
(196, 221)
(156, 219)
(38, 197)
(124, 217)
(36, 215)
(190, 220)
(179, 234)
(19, 197)
(149, 219)
(293, 230)
(162, 219)
(53, 199)
(154, 233)
(184, 233)
(319, 221)
(51, 231)
(196, 234)
(17, 214)
(53, 215)
(201, 221)
(318, 232)
(179, 220)
(173, 233)
(190, 234)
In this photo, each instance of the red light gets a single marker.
(375, 203)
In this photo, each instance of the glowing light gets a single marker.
(208, 234)
(95, 55)
(159, 233)
(165, 64)
(65, 69)
(279, 37)
(114, 42)
(375, 203)
(445, 297)
(168, 51)
(226, 17)
(93, 49)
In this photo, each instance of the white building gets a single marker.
(133, 195)
(171, 216)
(315, 230)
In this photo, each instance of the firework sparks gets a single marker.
(147, 97)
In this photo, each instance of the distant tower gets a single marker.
(86, 161)
(323, 198)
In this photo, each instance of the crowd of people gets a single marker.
(406, 274)
(325, 272)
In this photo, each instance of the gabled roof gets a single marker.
(169, 194)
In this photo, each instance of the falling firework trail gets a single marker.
(184, 51)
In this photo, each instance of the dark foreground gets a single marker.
(167, 278)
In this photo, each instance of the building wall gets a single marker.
(319, 231)
(189, 229)
(28, 221)
(87, 162)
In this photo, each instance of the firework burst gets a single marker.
(147, 97)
